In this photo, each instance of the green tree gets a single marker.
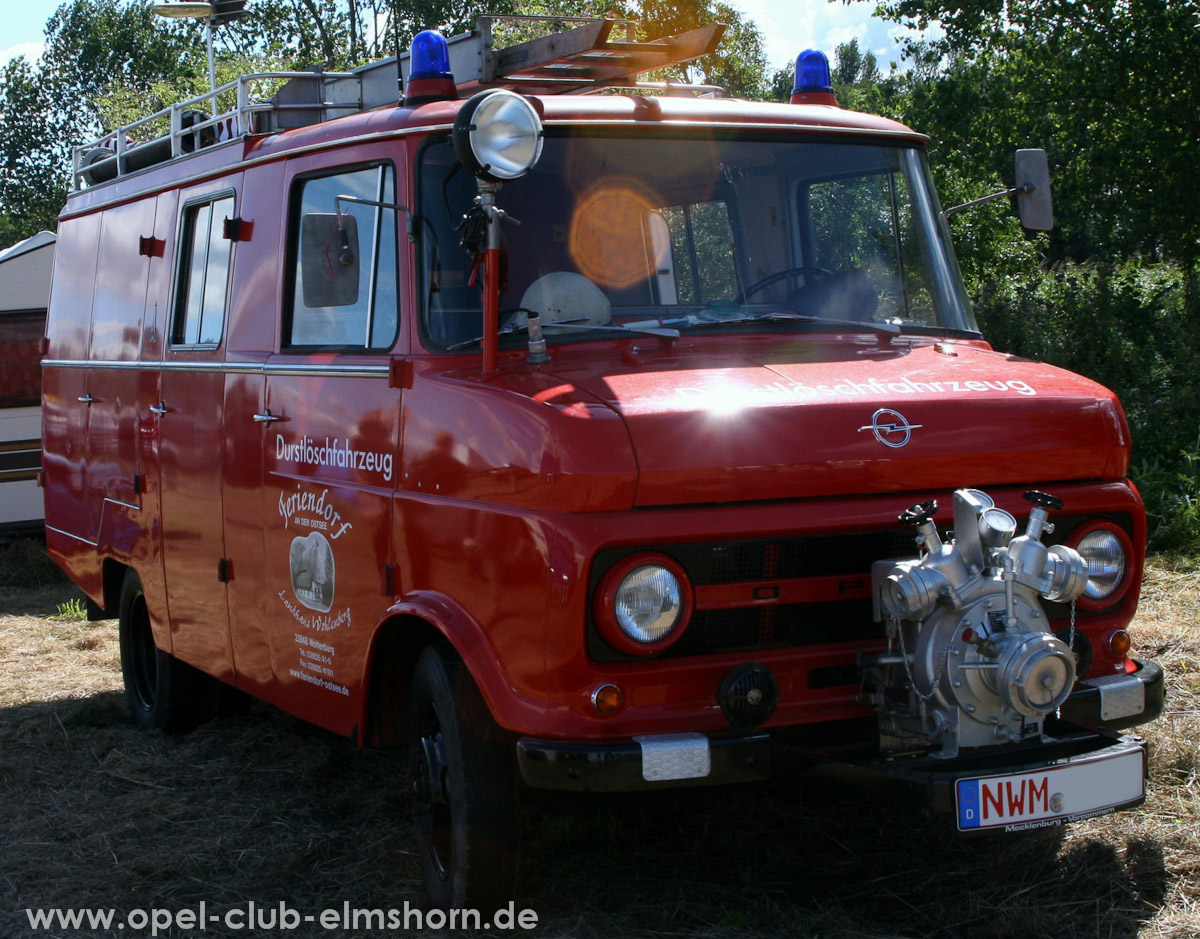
(1111, 88)
(92, 46)
(739, 65)
(32, 184)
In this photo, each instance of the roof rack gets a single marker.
(579, 60)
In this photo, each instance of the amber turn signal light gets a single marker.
(607, 699)
(1119, 643)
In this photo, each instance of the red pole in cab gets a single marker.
(491, 279)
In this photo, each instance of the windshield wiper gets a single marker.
(881, 329)
(512, 328)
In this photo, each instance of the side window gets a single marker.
(702, 252)
(345, 284)
(203, 279)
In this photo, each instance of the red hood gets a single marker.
(713, 428)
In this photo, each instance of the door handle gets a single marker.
(159, 409)
(267, 417)
(86, 399)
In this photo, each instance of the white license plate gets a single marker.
(674, 756)
(1048, 796)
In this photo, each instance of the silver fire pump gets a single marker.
(971, 661)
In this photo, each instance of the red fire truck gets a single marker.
(587, 442)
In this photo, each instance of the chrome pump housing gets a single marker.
(971, 661)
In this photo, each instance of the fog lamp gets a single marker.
(748, 695)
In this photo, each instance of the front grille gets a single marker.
(774, 627)
(788, 559)
(759, 625)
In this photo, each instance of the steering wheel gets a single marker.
(778, 276)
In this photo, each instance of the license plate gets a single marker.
(1070, 792)
(674, 756)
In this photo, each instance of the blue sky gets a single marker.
(788, 26)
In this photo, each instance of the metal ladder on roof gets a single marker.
(579, 60)
(585, 58)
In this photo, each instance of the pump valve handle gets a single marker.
(1043, 499)
(919, 514)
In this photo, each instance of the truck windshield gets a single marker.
(699, 233)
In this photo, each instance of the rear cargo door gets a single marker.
(65, 384)
(126, 253)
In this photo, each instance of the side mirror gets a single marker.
(329, 264)
(1033, 190)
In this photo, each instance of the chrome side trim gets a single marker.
(71, 535)
(226, 368)
(124, 505)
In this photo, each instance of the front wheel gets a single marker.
(465, 802)
(162, 692)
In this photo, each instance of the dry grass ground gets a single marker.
(263, 808)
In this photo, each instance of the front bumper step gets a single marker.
(672, 760)
(652, 763)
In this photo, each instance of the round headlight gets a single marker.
(498, 135)
(643, 604)
(648, 603)
(1107, 560)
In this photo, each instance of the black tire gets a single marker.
(162, 692)
(465, 794)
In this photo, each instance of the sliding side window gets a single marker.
(203, 278)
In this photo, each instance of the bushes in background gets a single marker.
(1134, 326)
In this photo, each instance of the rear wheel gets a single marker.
(162, 692)
(465, 803)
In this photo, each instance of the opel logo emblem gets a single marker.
(891, 428)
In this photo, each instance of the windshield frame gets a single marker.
(938, 257)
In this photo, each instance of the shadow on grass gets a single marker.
(265, 808)
(767, 862)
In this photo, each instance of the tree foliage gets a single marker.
(1110, 87)
(31, 187)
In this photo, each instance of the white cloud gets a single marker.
(31, 50)
(789, 27)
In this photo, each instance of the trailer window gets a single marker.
(344, 281)
(203, 274)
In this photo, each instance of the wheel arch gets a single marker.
(112, 580)
(397, 644)
(395, 648)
